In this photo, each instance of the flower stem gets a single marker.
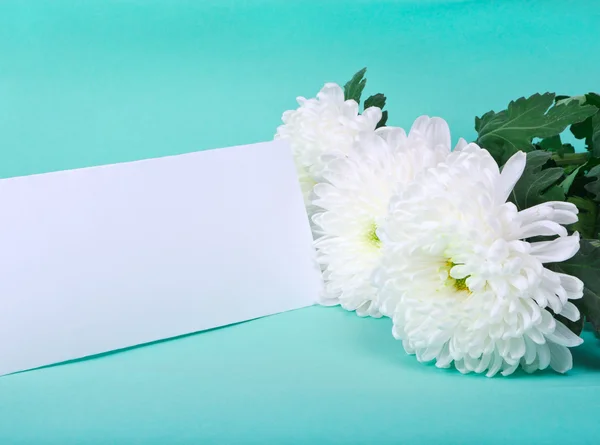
(571, 159)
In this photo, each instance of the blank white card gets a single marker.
(103, 258)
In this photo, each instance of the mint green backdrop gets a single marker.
(88, 83)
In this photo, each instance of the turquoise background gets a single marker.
(88, 83)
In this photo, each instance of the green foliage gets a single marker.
(355, 86)
(537, 185)
(555, 172)
(354, 89)
(594, 186)
(587, 225)
(568, 182)
(589, 129)
(383, 121)
(376, 100)
(554, 144)
(538, 116)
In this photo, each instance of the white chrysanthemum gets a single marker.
(327, 124)
(460, 280)
(353, 198)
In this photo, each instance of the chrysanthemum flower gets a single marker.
(353, 198)
(462, 278)
(327, 124)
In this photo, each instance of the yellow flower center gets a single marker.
(459, 284)
(372, 237)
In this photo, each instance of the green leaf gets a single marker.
(554, 144)
(525, 119)
(537, 185)
(591, 308)
(597, 230)
(594, 186)
(588, 217)
(594, 146)
(479, 121)
(570, 168)
(568, 181)
(582, 130)
(571, 159)
(355, 86)
(383, 120)
(593, 99)
(566, 99)
(565, 149)
(376, 100)
(585, 265)
(501, 152)
(589, 129)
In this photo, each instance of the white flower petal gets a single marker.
(530, 367)
(530, 351)
(368, 309)
(483, 363)
(556, 251)
(438, 133)
(511, 173)
(495, 365)
(508, 370)
(562, 335)
(420, 125)
(444, 359)
(394, 136)
(327, 124)
(461, 144)
(542, 228)
(372, 115)
(557, 211)
(331, 92)
(517, 347)
(570, 312)
(457, 268)
(349, 116)
(543, 353)
(560, 358)
(432, 131)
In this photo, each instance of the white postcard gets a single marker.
(103, 258)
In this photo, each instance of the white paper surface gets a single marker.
(103, 258)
